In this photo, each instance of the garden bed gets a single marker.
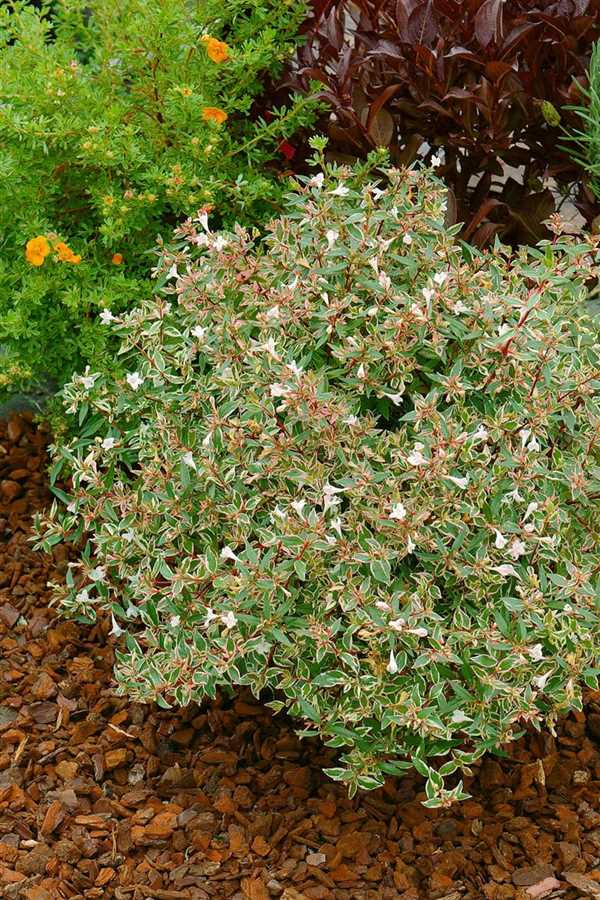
(101, 797)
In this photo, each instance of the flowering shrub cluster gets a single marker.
(359, 467)
(118, 119)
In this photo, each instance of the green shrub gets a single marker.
(111, 131)
(357, 466)
(584, 144)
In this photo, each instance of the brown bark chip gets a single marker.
(102, 798)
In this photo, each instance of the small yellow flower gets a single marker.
(36, 250)
(217, 50)
(214, 114)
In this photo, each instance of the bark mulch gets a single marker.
(100, 797)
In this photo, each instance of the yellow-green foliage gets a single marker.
(117, 118)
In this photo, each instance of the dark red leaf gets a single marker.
(488, 22)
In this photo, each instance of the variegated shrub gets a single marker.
(356, 468)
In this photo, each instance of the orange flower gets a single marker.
(218, 51)
(214, 114)
(117, 259)
(65, 254)
(36, 250)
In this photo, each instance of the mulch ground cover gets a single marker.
(101, 797)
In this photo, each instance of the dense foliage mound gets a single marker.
(357, 466)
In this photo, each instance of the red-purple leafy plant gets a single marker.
(484, 81)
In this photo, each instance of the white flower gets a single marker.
(229, 620)
(128, 535)
(294, 368)
(172, 273)
(398, 512)
(88, 381)
(382, 605)
(203, 219)
(500, 541)
(317, 180)
(270, 347)
(329, 498)
(220, 243)
(512, 495)
(134, 380)
(397, 624)
(503, 329)
(385, 281)
(361, 371)
(377, 193)
(482, 434)
(350, 420)
(198, 332)
(410, 544)
(210, 615)
(392, 665)
(108, 443)
(132, 611)
(459, 482)
(517, 549)
(82, 596)
(529, 527)
(279, 390)
(505, 570)
(532, 507)
(273, 313)
(395, 398)
(459, 307)
(460, 716)
(98, 574)
(436, 161)
(200, 240)
(540, 680)
(417, 312)
(174, 621)
(407, 239)
(298, 506)
(534, 445)
(227, 553)
(332, 237)
(336, 524)
(106, 316)
(115, 630)
(415, 457)
(440, 277)
(536, 652)
(428, 294)
(188, 459)
(420, 632)
(340, 191)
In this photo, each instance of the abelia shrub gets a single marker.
(355, 469)
(482, 84)
(119, 119)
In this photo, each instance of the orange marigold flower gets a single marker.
(117, 259)
(75, 258)
(36, 250)
(214, 114)
(217, 50)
